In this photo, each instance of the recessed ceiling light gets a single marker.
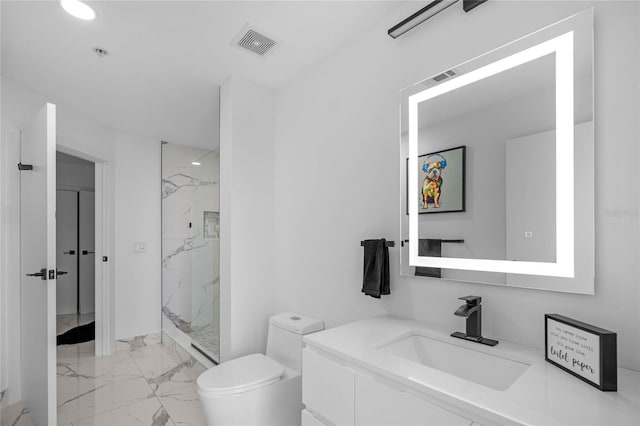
(195, 163)
(78, 9)
(100, 51)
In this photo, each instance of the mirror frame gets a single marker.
(562, 47)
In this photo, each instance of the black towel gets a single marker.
(79, 334)
(432, 248)
(375, 276)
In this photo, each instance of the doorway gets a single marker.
(75, 246)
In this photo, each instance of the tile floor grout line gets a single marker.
(154, 392)
(100, 413)
(109, 381)
(165, 409)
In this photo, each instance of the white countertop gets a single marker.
(543, 395)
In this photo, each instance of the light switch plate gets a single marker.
(139, 247)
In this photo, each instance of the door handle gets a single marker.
(71, 252)
(42, 274)
(58, 273)
(85, 252)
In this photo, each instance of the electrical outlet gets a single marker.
(139, 247)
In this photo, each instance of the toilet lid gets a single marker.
(241, 374)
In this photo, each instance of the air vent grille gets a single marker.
(438, 78)
(256, 42)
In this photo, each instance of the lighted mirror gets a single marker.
(497, 165)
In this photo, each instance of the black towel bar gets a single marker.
(387, 244)
(443, 241)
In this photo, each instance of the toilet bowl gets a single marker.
(260, 389)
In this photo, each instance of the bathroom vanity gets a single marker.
(390, 371)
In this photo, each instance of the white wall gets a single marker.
(246, 217)
(337, 175)
(137, 220)
(10, 366)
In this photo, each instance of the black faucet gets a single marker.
(472, 311)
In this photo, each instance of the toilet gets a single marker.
(260, 389)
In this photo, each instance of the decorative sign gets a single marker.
(583, 350)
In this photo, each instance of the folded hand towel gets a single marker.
(432, 248)
(375, 276)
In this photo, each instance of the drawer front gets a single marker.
(379, 404)
(327, 388)
(309, 420)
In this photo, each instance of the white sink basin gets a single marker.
(494, 371)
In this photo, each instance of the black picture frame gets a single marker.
(606, 354)
(463, 208)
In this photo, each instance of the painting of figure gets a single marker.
(441, 181)
(432, 183)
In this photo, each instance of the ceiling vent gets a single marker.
(254, 41)
(438, 78)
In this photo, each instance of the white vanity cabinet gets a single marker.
(327, 389)
(350, 377)
(337, 394)
(379, 404)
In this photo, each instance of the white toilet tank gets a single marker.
(284, 339)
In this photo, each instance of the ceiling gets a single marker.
(167, 59)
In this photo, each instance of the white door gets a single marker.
(67, 251)
(87, 228)
(38, 266)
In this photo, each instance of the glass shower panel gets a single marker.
(205, 288)
(190, 247)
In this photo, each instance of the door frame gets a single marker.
(104, 246)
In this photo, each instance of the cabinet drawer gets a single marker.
(309, 420)
(379, 404)
(327, 388)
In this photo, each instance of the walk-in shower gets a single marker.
(191, 247)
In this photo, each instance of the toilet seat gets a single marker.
(240, 375)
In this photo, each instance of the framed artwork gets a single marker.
(441, 181)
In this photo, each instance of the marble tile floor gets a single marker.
(14, 415)
(142, 383)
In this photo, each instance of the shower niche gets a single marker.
(191, 248)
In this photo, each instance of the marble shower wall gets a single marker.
(190, 256)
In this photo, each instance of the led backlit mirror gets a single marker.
(497, 165)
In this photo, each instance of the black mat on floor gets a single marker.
(80, 334)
